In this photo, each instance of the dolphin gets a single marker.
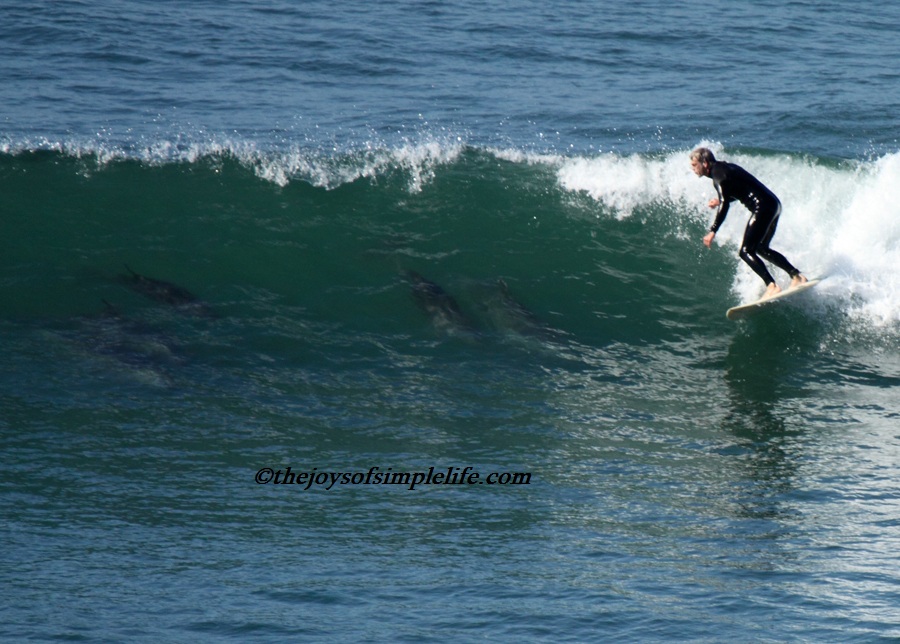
(440, 306)
(509, 315)
(125, 346)
(522, 316)
(166, 292)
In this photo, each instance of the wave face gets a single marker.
(584, 238)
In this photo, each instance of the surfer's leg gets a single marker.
(753, 235)
(774, 256)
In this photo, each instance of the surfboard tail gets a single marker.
(744, 310)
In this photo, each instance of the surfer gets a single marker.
(732, 183)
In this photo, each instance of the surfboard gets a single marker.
(742, 311)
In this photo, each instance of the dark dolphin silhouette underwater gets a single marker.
(165, 292)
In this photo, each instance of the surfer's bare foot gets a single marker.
(798, 280)
(771, 290)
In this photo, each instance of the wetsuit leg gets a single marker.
(774, 256)
(757, 230)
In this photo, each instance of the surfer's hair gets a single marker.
(703, 155)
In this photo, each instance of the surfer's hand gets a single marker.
(713, 203)
(708, 238)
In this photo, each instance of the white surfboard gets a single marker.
(742, 311)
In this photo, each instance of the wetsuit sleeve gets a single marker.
(724, 204)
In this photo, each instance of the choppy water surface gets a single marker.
(452, 240)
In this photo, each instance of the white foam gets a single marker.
(840, 221)
(514, 155)
(624, 183)
(327, 168)
(418, 160)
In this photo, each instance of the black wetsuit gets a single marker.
(734, 183)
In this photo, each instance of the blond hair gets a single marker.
(703, 155)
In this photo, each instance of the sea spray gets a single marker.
(839, 221)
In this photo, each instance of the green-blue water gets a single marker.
(689, 476)
(401, 240)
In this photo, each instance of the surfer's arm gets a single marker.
(723, 202)
(720, 217)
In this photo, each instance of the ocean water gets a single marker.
(391, 321)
